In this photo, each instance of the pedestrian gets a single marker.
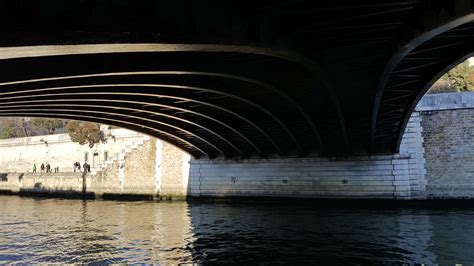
(77, 166)
(42, 167)
(34, 168)
(48, 168)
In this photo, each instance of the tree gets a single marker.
(13, 127)
(48, 124)
(8, 130)
(440, 86)
(458, 78)
(84, 132)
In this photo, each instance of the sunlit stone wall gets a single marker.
(19, 154)
(137, 165)
(448, 122)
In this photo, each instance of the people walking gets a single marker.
(77, 166)
(34, 168)
(42, 168)
(48, 168)
(86, 167)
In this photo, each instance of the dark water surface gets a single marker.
(75, 231)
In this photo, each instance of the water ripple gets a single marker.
(73, 231)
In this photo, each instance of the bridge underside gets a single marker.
(234, 78)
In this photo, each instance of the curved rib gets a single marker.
(197, 73)
(118, 122)
(58, 50)
(425, 89)
(264, 110)
(399, 56)
(118, 114)
(253, 145)
(160, 96)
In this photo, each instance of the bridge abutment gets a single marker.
(436, 160)
(399, 176)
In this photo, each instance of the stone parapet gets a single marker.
(446, 101)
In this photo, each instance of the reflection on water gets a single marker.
(74, 231)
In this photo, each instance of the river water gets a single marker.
(74, 231)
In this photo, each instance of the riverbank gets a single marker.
(75, 185)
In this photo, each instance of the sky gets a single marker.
(471, 61)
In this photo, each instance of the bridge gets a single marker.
(234, 79)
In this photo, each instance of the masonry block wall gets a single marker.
(436, 160)
(19, 154)
(412, 147)
(107, 181)
(155, 168)
(449, 152)
(393, 176)
(174, 172)
(137, 174)
(139, 169)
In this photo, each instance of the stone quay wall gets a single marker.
(448, 133)
(138, 165)
(19, 154)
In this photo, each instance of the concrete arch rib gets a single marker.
(396, 60)
(191, 88)
(168, 137)
(105, 101)
(120, 115)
